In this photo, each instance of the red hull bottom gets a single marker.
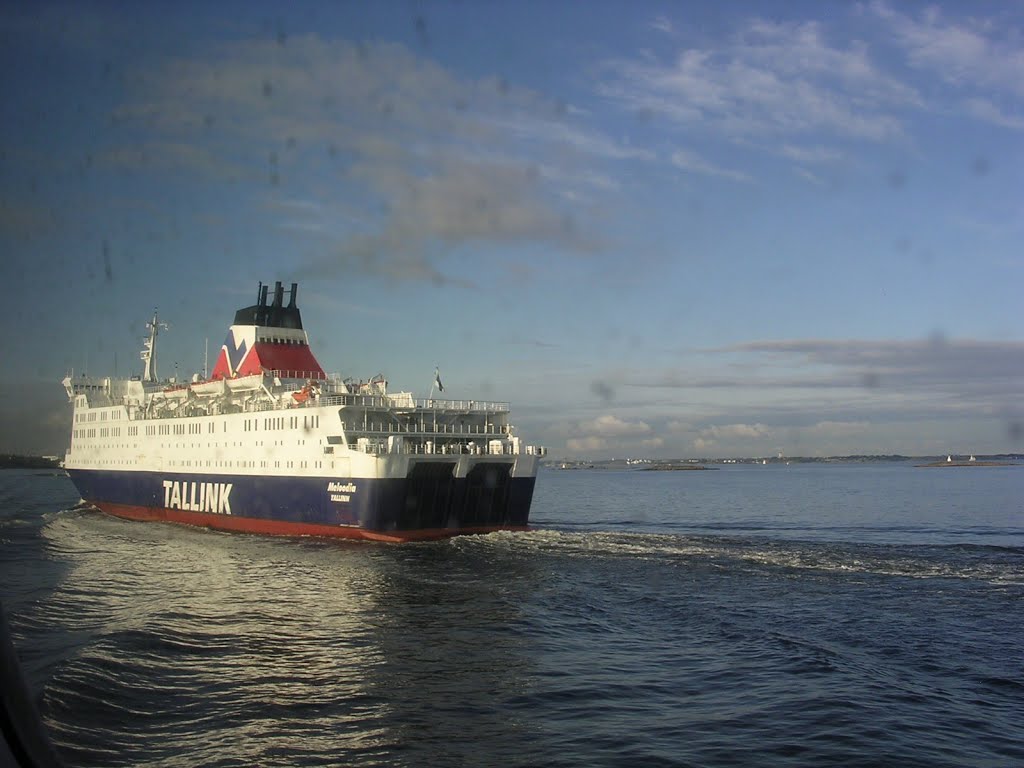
(285, 528)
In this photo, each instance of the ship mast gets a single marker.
(148, 353)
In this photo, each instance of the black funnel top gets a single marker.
(275, 315)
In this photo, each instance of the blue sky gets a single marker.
(658, 229)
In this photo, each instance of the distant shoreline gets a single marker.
(13, 461)
(648, 464)
(968, 464)
(676, 468)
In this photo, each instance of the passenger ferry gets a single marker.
(269, 443)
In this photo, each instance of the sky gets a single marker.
(657, 229)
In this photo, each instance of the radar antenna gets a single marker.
(148, 353)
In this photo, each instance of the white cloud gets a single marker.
(730, 437)
(734, 430)
(837, 428)
(609, 433)
(662, 24)
(588, 444)
(688, 161)
(609, 425)
(171, 156)
(874, 381)
(983, 109)
(773, 79)
(959, 366)
(433, 161)
(811, 154)
(963, 53)
(587, 142)
(809, 176)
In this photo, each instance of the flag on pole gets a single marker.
(437, 380)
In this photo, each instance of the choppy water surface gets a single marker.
(804, 615)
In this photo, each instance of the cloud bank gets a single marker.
(413, 162)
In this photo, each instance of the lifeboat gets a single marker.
(304, 394)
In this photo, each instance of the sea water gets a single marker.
(803, 615)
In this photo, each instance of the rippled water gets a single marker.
(805, 615)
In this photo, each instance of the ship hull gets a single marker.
(428, 505)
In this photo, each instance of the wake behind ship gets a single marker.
(269, 443)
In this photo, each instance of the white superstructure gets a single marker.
(270, 435)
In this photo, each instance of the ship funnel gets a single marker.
(291, 301)
(263, 296)
(278, 294)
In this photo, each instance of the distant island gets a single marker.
(973, 463)
(675, 467)
(665, 465)
(14, 461)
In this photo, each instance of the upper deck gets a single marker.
(265, 367)
(370, 423)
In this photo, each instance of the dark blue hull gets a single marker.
(429, 503)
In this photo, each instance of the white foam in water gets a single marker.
(920, 562)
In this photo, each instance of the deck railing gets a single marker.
(411, 403)
(307, 375)
(380, 447)
(427, 430)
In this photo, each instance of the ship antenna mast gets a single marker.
(148, 353)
